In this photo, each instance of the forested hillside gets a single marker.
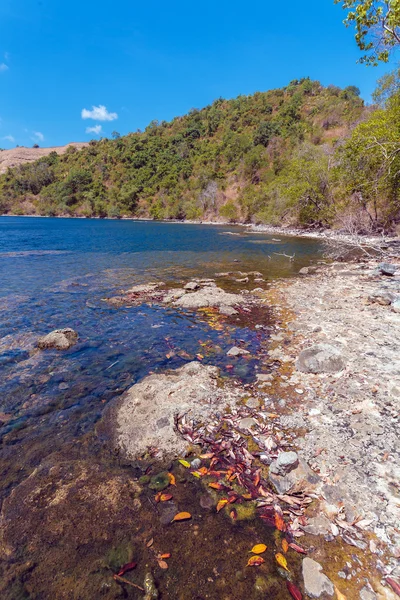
(298, 155)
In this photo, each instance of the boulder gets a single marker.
(145, 416)
(235, 351)
(383, 297)
(209, 296)
(396, 305)
(321, 358)
(387, 269)
(192, 285)
(59, 339)
(227, 310)
(286, 462)
(316, 584)
(299, 478)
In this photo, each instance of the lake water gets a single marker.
(56, 273)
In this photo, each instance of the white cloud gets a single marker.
(95, 129)
(9, 138)
(38, 136)
(3, 67)
(98, 113)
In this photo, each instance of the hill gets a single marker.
(19, 156)
(267, 157)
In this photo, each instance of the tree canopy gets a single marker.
(377, 24)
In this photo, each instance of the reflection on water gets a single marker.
(56, 273)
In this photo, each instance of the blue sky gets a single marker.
(134, 62)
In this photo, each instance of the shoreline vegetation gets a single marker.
(300, 156)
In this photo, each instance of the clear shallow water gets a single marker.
(56, 273)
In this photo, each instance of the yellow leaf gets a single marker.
(182, 516)
(285, 545)
(339, 595)
(255, 561)
(184, 463)
(221, 504)
(281, 560)
(196, 474)
(258, 549)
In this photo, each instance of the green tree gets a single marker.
(377, 24)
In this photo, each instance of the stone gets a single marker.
(387, 269)
(367, 594)
(145, 288)
(319, 525)
(145, 415)
(299, 478)
(235, 351)
(192, 285)
(396, 305)
(209, 296)
(59, 339)
(227, 311)
(247, 423)
(243, 280)
(315, 582)
(383, 297)
(321, 358)
(252, 403)
(304, 271)
(196, 463)
(286, 462)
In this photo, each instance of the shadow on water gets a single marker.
(72, 513)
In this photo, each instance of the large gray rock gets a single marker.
(299, 478)
(316, 584)
(145, 416)
(321, 358)
(383, 297)
(318, 525)
(286, 462)
(235, 351)
(387, 269)
(209, 296)
(59, 339)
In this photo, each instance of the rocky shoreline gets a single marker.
(331, 385)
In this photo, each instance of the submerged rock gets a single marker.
(235, 351)
(315, 582)
(321, 358)
(146, 414)
(208, 296)
(59, 339)
(301, 477)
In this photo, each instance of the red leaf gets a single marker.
(125, 568)
(294, 591)
(298, 549)
(395, 585)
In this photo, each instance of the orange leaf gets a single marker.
(285, 545)
(166, 555)
(207, 455)
(279, 522)
(233, 514)
(258, 549)
(216, 486)
(165, 497)
(255, 561)
(221, 504)
(172, 480)
(182, 516)
(150, 543)
(162, 564)
(257, 478)
(281, 560)
(157, 497)
(203, 470)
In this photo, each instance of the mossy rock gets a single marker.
(159, 482)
